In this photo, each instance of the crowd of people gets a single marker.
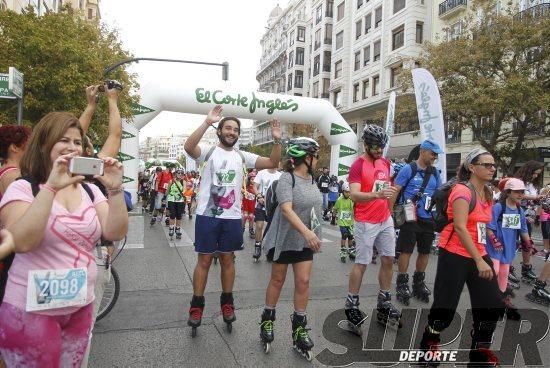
(52, 220)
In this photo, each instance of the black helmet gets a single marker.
(374, 135)
(301, 146)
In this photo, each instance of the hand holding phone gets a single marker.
(87, 166)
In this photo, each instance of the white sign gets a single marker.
(389, 120)
(15, 82)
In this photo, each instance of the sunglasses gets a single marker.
(487, 165)
(374, 147)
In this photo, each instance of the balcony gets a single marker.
(326, 67)
(536, 11)
(273, 57)
(449, 8)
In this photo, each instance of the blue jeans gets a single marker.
(325, 200)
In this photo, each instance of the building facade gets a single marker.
(88, 9)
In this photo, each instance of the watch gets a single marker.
(277, 141)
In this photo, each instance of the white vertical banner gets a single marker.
(389, 120)
(129, 156)
(430, 114)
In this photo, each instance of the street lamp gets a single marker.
(224, 65)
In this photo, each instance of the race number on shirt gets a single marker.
(324, 185)
(345, 215)
(52, 289)
(482, 232)
(379, 185)
(226, 178)
(511, 221)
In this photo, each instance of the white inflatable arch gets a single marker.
(199, 99)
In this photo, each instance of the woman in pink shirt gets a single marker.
(46, 315)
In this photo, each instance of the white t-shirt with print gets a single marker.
(221, 182)
(264, 179)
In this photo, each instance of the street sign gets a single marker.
(15, 82)
(544, 152)
(4, 84)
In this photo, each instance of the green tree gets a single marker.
(60, 54)
(496, 72)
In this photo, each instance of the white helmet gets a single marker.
(345, 187)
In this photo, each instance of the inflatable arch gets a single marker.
(199, 99)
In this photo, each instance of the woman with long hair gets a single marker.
(13, 141)
(464, 260)
(293, 237)
(531, 174)
(56, 221)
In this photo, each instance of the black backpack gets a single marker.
(5, 264)
(271, 202)
(440, 201)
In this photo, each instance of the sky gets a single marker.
(208, 30)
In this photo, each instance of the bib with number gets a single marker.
(52, 289)
(379, 185)
(511, 221)
(345, 215)
(226, 178)
(324, 185)
(482, 232)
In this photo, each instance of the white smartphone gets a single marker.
(87, 166)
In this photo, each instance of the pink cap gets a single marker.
(514, 184)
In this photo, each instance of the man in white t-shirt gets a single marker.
(218, 224)
(262, 182)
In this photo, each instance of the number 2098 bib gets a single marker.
(52, 289)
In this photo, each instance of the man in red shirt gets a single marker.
(161, 185)
(371, 190)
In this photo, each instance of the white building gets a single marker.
(88, 9)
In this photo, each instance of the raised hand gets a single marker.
(60, 176)
(91, 95)
(214, 115)
(112, 173)
(276, 131)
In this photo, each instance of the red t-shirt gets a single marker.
(480, 215)
(372, 176)
(164, 178)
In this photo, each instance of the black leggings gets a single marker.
(453, 271)
(176, 209)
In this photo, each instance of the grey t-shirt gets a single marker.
(304, 196)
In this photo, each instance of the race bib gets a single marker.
(52, 289)
(511, 221)
(428, 203)
(379, 185)
(226, 178)
(187, 199)
(345, 215)
(250, 196)
(482, 232)
(324, 185)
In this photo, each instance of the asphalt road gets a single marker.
(148, 326)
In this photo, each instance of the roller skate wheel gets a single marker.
(267, 347)
(308, 355)
(193, 332)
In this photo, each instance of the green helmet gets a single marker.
(301, 146)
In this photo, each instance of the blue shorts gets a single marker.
(218, 235)
(346, 233)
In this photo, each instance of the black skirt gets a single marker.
(291, 256)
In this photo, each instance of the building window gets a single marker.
(340, 11)
(337, 98)
(315, 92)
(291, 39)
(3, 5)
(339, 40)
(326, 86)
(299, 79)
(394, 74)
(375, 85)
(357, 61)
(454, 31)
(419, 32)
(326, 61)
(328, 34)
(376, 50)
(398, 5)
(299, 56)
(289, 87)
(359, 3)
(338, 69)
(301, 34)
(365, 89)
(368, 23)
(90, 13)
(316, 65)
(377, 17)
(398, 37)
(319, 14)
(358, 28)
(356, 92)
(291, 59)
(317, 43)
(366, 55)
(330, 6)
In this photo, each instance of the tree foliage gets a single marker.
(60, 54)
(495, 79)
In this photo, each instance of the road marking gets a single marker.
(134, 246)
